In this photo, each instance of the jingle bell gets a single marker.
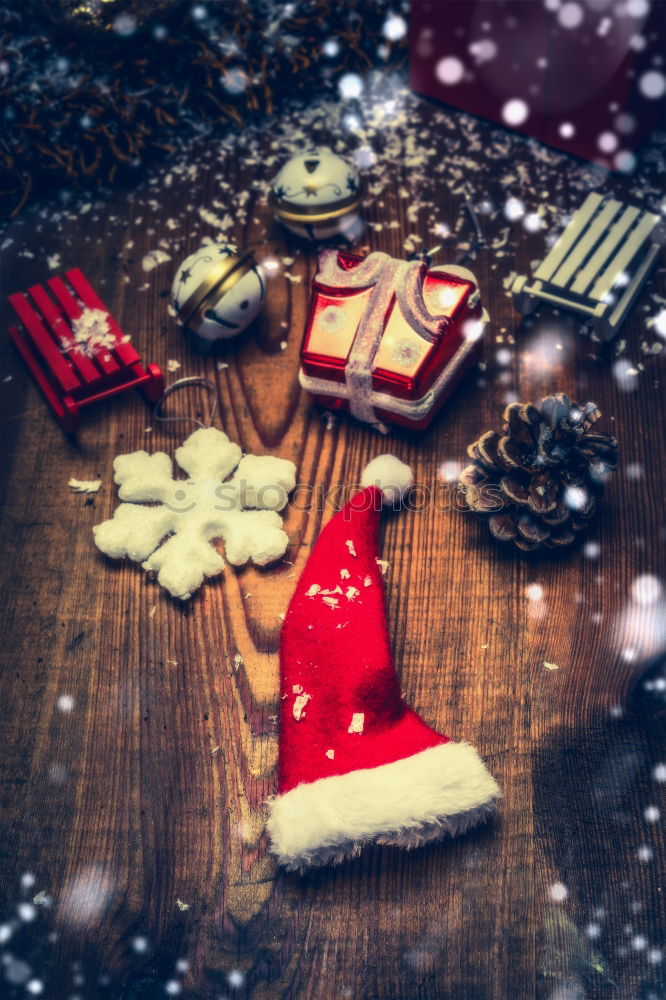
(218, 291)
(318, 195)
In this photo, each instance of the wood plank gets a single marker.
(586, 243)
(568, 238)
(604, 253)
(42, 341)
(123, 348)
(623, 258)
(146, 784)
(68, 303)
(62, 331)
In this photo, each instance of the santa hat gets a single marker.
(357, 765)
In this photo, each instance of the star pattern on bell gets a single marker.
(185, 275)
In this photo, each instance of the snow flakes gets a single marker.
(395, 27)
(570, 15)
(357, 723)
(558, 892)
(652, 85)
(514, 209)
(450, 70)
(352, 593)
(173, 536)
(646, 589)
(300, 701)
(350, 547)
(515, 111)
(313, 590)
(26, 912)
(659, 773)
(330, 754)
(350, 85)
(344, 574)
(367, 581)
(383, 567)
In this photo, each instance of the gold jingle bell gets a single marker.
(318, 195)
(218, 291)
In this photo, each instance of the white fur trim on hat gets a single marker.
(443, 790)
(390, 475)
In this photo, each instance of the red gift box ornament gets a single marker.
(388, 340)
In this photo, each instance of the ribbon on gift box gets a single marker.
(387, 277)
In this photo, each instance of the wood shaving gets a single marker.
(550, 666)
(92, 333)
(330, 754)
(154, 258)
(300, 701)
(181, 905)
(357, 723)
(345, 574)
(350, 547)
(84, 485)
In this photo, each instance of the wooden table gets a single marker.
(137, 748)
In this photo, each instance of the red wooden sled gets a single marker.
(69, 378)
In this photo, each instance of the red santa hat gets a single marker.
(357, 765)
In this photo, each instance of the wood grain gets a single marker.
(139, 811)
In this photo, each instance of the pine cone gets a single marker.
(539, 482)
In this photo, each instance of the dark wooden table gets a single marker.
(137, 752)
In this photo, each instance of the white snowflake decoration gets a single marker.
(173, 536)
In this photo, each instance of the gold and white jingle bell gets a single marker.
(218, 291)
(318, 195)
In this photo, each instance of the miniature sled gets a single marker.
(69, 377)
(597, 266)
